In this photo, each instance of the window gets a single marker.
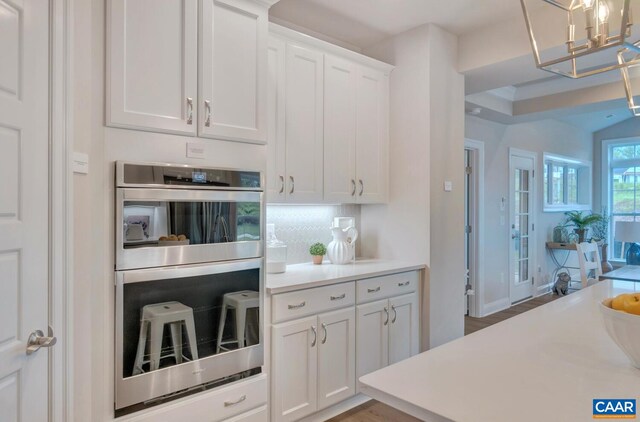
(567, 183)
(621, 159)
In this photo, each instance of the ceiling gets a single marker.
(365, 22)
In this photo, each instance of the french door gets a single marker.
(522, 245)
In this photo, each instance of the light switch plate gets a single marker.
(195, 149)
(448, 186)
(80, 163)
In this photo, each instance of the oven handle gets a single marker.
(182, 271)
(189, 195)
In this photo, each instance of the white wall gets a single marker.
(538, 137)
(421, 222)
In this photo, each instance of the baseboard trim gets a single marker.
(496, 306)
(337, 409)
(543, 290)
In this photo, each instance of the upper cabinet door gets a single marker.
(275, 122)
(340, 78)
(152, 70)
(304, 124)
(372, 136)
(233, 70)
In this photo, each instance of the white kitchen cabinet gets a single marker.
(340, 77)
(387, 332)
(153, 65)
(356, 133)
(372, 136)
(176, 68)
(276, 153)
(233, 73)
(295, 366)
(313, 363)
(336, 357)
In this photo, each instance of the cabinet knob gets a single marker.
(324, 327)
(207, 111)
(353, 187)
(395, 314)
(361, 187)
(281, 185)
(315, 336)
(189, 110)
(386, 311)
(293, 185)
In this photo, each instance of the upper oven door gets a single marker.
(162, 227)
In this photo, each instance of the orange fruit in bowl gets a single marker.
(618, 302)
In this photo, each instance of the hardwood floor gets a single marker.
(471, 325)
(374, 411)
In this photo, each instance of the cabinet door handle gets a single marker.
(207, 111)
(342, 296)
(361, 187)
(234, 402)
(298, 306)
(395, 314)
(386, 311)
(324, 327)
(377, 289)
(293, 185)
(353, 187)
(281, 185)
(406, 283)
(315, 336)
(189, 110)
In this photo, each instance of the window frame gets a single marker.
(566, 162)
(607, 183)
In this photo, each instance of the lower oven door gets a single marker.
(180, 327)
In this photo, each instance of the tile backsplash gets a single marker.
(300, 226)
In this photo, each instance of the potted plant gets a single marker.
(581, 222)
(317, 251)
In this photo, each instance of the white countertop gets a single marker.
(547, 364)
(304, 276)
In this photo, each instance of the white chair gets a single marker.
(589, 261)
(239, 303)
(156, 316)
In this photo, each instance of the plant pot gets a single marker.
(582, 234)
(606, 265)
(317, 259)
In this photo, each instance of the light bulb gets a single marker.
(603, 12)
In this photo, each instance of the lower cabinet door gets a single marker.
(372, 338)
(336, 357)
(403, 327)
(295, 358)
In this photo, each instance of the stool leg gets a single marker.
(191, 337)
(176, 339)
(223, 316)
(157, 330)
(142, 345)
(241, 315)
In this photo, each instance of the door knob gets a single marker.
(37, 339)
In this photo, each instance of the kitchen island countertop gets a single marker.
(547, 364)
(304, 276)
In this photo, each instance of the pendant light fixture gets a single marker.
(591, 32)
(629, 60)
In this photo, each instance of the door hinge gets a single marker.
(532, 280)
(533, 173)
(468, 169)
(467, 229)
(533, 227)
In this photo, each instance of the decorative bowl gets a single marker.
(624, 330)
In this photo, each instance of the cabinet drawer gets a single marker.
(301, 303)
(217, 405)
(376, 288)
(257, 415)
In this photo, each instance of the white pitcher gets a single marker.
(340, 250)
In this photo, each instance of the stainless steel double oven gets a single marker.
(189, 260)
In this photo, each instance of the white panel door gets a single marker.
(24, 207)
(372, 136)
(372, 337)
(403, 327)
(233, 70)
(336, 357)
(522, 245)
(339, 130)
(275, 122)
(153, 65)
(295, 366)
(304, 124)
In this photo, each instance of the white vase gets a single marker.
(339, 250)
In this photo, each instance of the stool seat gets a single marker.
(155, 317)
(238, 302)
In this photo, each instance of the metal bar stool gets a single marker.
(239, 303)
(155, 317)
